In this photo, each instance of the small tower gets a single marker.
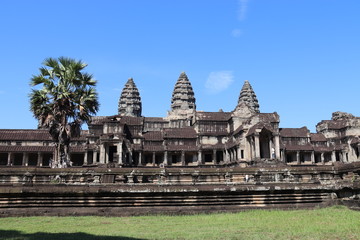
(248, 97)
(130, 101)
(183, 100)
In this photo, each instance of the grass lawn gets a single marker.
(326, 223)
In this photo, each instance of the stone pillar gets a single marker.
(182, 158)
(165, 158)
(214, 156)
(313, 157)
(140, 159)
(153, 158)
(344, 158)
(39, 159)
(283, 155)
(333, 156)
(131, 157)
(238, 154)
(120, 152)
(106, 154)
(257, 145)
(94, 156)
(9, 161)
(102, 154)
(25, 159)
(86, 158)
(227, 158)
(322, 158)
(298, 157)
(200, 157)
(277, 146)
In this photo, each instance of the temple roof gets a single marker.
(130, 101)
(294, 132)
(213, 116)
(153, 136)
(187, 132)
(317, 137)
(248, 96)
(183, 98)
(24, 135)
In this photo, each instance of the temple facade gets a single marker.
(187, 137)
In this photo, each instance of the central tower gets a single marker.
(183, 100)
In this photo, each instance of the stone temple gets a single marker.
(187, 137)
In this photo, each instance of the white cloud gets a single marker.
(219, 81)
(242, 9)
(236, 32)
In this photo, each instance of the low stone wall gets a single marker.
(138, 191)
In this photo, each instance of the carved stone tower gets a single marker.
(183, 99)
(130, 101)
(248, 98)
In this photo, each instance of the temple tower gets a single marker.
(130, 101)
(183, 99)
(248, 97)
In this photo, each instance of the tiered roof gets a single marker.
(130, 101)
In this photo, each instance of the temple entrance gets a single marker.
(112, 154)
(265, 138)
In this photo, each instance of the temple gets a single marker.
(187, 137)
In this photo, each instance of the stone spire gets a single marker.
(130, 101)
(183, 99)
(248, 98)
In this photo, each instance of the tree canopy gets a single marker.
(64, 99)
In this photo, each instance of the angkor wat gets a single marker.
(187, 161)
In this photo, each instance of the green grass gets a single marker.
(325, 223)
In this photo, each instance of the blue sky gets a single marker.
(302, 57)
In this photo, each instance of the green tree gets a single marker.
(64, 99)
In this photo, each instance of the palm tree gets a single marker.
(67, 99)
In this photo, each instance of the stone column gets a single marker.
(94, 156)
(322, 158)
(153, 158)
(140, 159)
(102, 154)
(298, 157)
(39, 159)
(182, 158)
(106, 154)
(344, 158)
(86, 158)
(214, 156)
(277, 146)
(248, 150)
(120, 152)
(9, 162)
(333, 156)
(25, 159)
(312, 157)
(131, 160)
(283, 156)
(257, 145)
(238, 153)
(165, 158)
(200, 157)
(227, 158)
